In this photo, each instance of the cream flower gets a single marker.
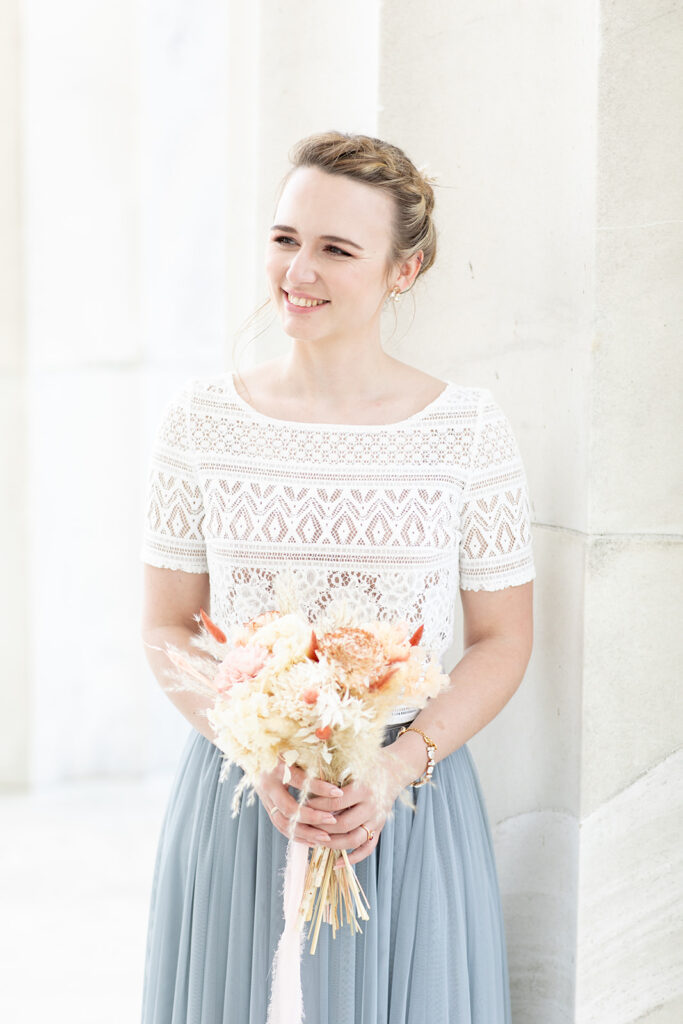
(287, 637)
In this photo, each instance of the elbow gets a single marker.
(517, 649)
(525, 646)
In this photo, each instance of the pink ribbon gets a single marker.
(286, 999)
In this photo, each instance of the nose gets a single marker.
(301, 267)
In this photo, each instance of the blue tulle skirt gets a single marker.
(433, 951)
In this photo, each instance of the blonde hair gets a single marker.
(382, 165)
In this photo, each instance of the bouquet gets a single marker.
(319, 695)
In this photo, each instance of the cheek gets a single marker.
(273, 264)
(277, 260)
(359, 287)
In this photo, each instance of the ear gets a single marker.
(407, 271)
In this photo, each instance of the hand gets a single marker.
(358, 812)
(282, 806)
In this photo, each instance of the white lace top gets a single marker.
(403, 513)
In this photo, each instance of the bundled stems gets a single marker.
(331, 895)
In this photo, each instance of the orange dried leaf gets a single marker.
(417, 636)
(384, 678)
(312, 652)
(213, 629)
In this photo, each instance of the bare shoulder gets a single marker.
(417, 382)
(411, 389)
(254, 380)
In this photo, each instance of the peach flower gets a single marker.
(240, 665)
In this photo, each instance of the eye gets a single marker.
(333, 249)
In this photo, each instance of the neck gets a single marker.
(336, 370)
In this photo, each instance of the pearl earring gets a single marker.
(395, 293)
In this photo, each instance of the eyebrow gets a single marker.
(327, 238)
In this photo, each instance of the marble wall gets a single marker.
(82, 353)
(143, 144)
(630, 905)
(15, 711)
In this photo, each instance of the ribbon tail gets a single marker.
(286, 998)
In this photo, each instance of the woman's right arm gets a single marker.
(171, 599)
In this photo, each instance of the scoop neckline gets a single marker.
(335, 426)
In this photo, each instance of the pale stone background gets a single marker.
(140, 149)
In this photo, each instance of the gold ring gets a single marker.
(273, 809)
(371, 834)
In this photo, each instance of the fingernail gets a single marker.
(330, 818)
(322, 836)
(335, 791)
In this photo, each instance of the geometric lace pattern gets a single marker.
(401, 515)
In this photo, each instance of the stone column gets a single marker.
(555, 132)
(15, 695)
(81, 351)
(630, 910)
(192, 169)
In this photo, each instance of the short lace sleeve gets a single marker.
(173, 536)
(495, 522)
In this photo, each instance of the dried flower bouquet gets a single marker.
(316, 694)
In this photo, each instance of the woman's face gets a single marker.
(330, 241)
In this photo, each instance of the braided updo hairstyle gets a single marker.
(385, 166)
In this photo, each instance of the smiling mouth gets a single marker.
(303, 301)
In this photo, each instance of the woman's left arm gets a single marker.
(498, 638)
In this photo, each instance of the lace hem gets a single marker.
(184, 560)
(511, 579)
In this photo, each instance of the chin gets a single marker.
(297, 335)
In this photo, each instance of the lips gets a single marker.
(306, 303)
(305, 295)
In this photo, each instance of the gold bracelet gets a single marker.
(431, 750)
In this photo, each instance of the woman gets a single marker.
(354, 470)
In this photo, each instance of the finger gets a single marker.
(361, 852)
(347, 840)
(351, 794)
(302, 833)
(330, 804)
(307, 834)
(282, 798)
(279, 796)
(315, 786)
(348, 820)
(366, 847)
(282, 819)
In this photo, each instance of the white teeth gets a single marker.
(305, 302)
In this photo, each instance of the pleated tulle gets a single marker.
(433, 949)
